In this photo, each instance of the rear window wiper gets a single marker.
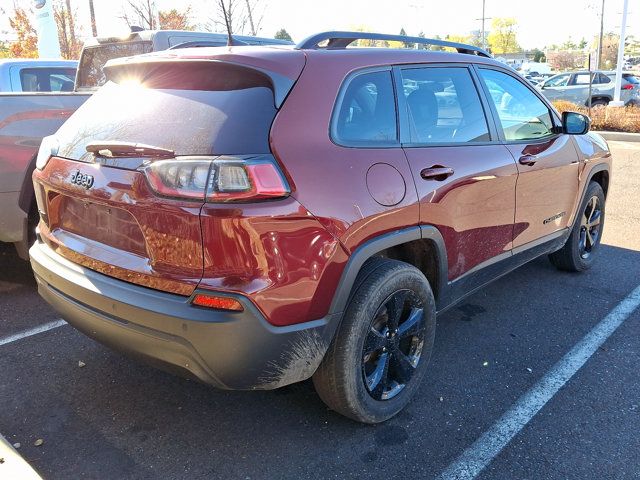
(128, 149)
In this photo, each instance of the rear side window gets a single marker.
(583, 79)
(192, 108)
(47, 79)
(443, 106)
(522, 114)
(631, 78)
(366, 112)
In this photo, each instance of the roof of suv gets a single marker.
(285, 60)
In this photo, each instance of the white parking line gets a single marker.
(475, 458)
(33, 331)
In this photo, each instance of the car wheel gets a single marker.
(599, 103)
(380, 352)
(579, 252)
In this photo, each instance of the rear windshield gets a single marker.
(93, 59)
(631, 78)
(47, 79)
(219, 110)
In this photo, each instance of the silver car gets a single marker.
(574, 87)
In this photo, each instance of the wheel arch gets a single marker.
(600, 176)
(422, 247)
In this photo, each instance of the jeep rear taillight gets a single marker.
(219, 179)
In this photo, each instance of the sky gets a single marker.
(540, 22)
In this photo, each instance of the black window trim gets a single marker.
(335, 139)
(555, 117)
(405, 133)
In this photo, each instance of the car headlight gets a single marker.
(48, 147)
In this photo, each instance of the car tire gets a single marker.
(382, 347)
(578, 253)
(599, 103)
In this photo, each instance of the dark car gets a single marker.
(256, 216)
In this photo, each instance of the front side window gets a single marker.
(366, 114)
(558, 81)
(522, 114)
(443, 106)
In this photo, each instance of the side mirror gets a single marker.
(574, 123)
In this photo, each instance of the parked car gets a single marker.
(25, 118)
(574, 87)
(35, 75)
(534, 68)
(36, 97)
(97, 51)
(256, 216)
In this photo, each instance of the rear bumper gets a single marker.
(231, 350)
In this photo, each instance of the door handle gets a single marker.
(437, 173)
(528, 160)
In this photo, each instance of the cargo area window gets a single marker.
(366, 112)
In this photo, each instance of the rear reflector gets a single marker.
(221, 303)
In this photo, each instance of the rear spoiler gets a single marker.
(195, 74)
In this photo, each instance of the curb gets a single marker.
(13, 466)
(619, 136)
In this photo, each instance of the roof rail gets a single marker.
(338, 40)
(206, 43)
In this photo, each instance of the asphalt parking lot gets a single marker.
(114, 418)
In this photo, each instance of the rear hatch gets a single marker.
(134, 166)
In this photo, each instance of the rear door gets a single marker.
(464, 176)
(105, 211)
(547, 161)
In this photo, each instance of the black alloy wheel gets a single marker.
(590, 227)
(393, 346)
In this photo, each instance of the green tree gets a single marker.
(538, 55)
(282, 34)
(503, 36)
(583, 44)
(406, 44)
(436, 47)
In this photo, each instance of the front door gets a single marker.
(547, 162)
(464, 176)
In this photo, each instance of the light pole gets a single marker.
(616, 93)
(483, 33)
(599, 59)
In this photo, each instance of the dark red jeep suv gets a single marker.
(256, 216)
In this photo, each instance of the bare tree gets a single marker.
(255, 13)
(142, 13)
(92, 13)
(234, 16)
